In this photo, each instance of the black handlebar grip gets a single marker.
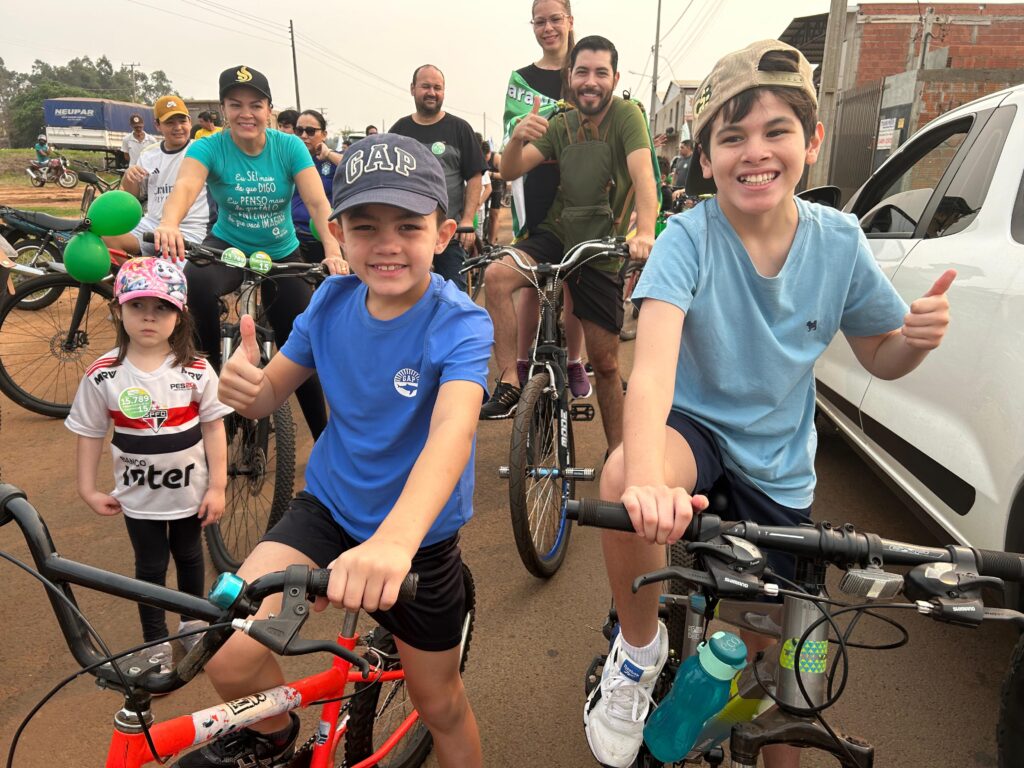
(464, 230)
(1002, 565)
(599, 514)
(319, 579)
(147, 237)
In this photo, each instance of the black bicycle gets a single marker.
(717, 571)
(542, 471)
(261, 452)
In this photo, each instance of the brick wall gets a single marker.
(942, 91)
(989, 38)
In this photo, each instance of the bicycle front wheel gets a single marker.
(32, 253)
(379, 708)
(261, 476)
(1009, 736)
(537, 486)
(44, 352)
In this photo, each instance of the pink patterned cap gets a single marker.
(150, 276)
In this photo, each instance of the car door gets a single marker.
(890, 207)
(953, 428)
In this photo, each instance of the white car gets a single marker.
(950, 435)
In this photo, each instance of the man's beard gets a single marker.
(591, 111)
(424, 109)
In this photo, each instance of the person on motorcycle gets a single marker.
(42, 149)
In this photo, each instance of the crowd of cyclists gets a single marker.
(389, 357)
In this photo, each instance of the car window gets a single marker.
(897, 208)
(966, 193)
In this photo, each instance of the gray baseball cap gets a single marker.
(389, 169)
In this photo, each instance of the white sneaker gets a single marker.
(614, 714)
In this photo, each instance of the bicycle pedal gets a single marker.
(593, 677)
(582, 412)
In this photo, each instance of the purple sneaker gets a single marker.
(579, 384)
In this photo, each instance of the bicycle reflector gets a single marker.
(872, 583)
(226, 590)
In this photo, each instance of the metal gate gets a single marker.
(853, 145)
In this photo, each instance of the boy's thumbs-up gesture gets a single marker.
(532, 126)
(242, 378)
(926, 323)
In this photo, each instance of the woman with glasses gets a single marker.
(251, 172)
(532, 195)
(311, 127)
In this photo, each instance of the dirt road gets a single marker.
(933, 701)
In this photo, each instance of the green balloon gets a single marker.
(114, 213)
(87, 258)
(312, 228)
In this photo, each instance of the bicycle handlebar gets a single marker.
(574, 256)
(277, 633)
(842, 546)
(203, 256)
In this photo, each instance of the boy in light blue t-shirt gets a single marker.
(402, 355)
(764, 281)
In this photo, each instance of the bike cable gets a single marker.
(109, 659)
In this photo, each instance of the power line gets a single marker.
(272, 28)
(695, 32)
(674, 23)
(235, 13)
(235, 30)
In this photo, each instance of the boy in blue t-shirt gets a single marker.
(764, 281)
(402, 356)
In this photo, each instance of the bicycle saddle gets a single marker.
(46, 221)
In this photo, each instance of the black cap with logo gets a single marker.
(244, 76)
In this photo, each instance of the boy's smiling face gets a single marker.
(391, 250)
(757, 162)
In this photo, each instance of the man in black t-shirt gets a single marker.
(452, 142)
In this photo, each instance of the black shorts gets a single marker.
(596, 294)
(732, 496)
(494, 201)
(431, 622)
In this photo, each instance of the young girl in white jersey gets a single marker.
(169, 445)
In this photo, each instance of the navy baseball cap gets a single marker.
(389, 169)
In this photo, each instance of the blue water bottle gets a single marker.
(699, 692)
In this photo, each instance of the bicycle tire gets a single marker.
(32, 254)
(261, 478)
(1009, 736)
(41, 360)
(539, 526)
(676, 622)
(369, 724)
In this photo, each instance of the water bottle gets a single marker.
(699, 692)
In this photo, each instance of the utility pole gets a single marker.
(828, 97)
(654, 77)
(131, 68)
(926, 32)
(295, 65)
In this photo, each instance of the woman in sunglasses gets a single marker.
(311, 127)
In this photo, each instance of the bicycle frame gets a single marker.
(128, 747)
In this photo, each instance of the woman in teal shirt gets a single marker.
(251, 173)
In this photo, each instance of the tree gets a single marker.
(26, 110)
(22, 95)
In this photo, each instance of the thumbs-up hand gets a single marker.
(532, 126)
(928, 319)
(242, 379)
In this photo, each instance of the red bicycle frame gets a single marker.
(130, 750)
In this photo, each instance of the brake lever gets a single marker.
(689, 575)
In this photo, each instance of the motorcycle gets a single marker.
(55, 170)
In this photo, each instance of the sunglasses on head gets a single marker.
(305, 130)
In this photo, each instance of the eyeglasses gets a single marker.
(305, 130)
(555, 21)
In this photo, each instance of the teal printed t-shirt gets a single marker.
(254, 193)
(746, 359)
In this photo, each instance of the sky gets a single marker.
(355, 59)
